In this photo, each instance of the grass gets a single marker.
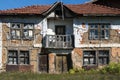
(67, 76)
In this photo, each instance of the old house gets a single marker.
(55, 38)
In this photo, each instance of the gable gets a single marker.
(59, 10)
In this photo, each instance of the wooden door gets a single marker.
(61, 63)
(43, 63)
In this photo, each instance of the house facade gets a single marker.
(55, 38)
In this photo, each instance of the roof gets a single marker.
(90, 8)
(87, 8)
(110, 3)
(34, 9)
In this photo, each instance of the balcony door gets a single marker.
(60, 30)
(60, 38)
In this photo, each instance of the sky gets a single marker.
(9, 4)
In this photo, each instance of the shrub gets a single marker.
(112, 68)
(72, 71)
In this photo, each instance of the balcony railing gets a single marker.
(59, 41)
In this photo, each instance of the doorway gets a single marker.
(63, 63)
(43, 63)
(60, 30)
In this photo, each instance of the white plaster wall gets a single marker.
(52, 14)
(67, 23)
(79, 30)
(0, 44)
(43, 23)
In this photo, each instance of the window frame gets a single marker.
(11, 29)
(89, 57)
(18, 57)
(25, 56)
(13, 57)
(97, 56)
(99, 29)
(21, 29)
(28, 29)
(103, 57)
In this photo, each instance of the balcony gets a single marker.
(59, 41)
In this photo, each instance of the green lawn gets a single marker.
(76, 76)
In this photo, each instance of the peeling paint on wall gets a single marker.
(116, 27)
(79, 30)
(80, 26)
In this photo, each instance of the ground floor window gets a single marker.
(12, 57)
(24, 57)
(100, 57)
(18, 57)
(103, 57)
(89, 57)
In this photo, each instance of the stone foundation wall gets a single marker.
(76, 56)
(21, 68)
(115, 55)
(51, 62)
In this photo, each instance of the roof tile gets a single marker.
(87, 8)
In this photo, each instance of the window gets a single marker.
(15, 31)
(99, 31)
(104, 31)
(60, 30)
(89, 58)
(103, 57)
(28, 31)
(24, 57)
(12, 57)
(22, 31)
(18, 57)
(100, 57)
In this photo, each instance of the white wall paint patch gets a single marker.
(44, 27)
(116, 27)
(79, 30)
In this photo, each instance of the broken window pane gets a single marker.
(28, 31)
(99, 31)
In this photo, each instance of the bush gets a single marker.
(72, 71)
(112, 68)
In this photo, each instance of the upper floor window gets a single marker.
(28, 31)
(22, 31)
(16, 31)
(99, 31)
